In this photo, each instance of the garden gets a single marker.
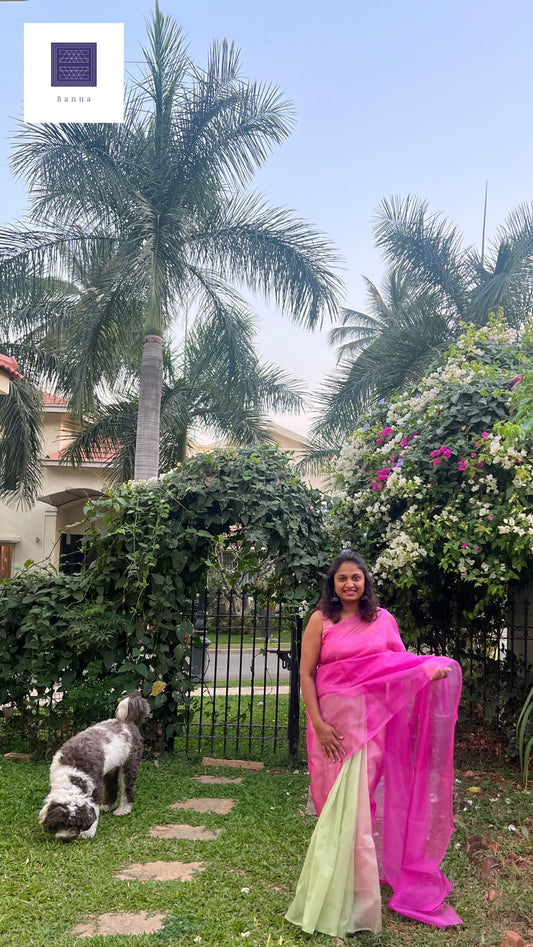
(443, 476)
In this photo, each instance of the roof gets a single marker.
(98, 455)
(50, 400)
(69, 495)
(8, 366)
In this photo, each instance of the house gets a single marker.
(52, 530)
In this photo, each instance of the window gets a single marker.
(6, 560)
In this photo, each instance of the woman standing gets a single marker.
(380, 750)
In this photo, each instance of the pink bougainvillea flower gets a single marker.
(387, 431)
(484, 435)
(473, 454)
(478, 548)
(444, 451)
(490, 517)
(381, 478)
(436, 461)
(464, 545)
(515, 381)
(476, 443)
(463, 464)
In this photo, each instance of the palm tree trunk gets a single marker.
(147, 445)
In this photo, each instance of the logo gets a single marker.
(73, 64)
(73, 72)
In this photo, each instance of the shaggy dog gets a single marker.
(106, 756)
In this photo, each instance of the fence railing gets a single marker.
(245, 659)
(246, 663)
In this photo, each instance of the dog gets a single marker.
(103, 757)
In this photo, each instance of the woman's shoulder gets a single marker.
(385, 612)
(316, 620)
(387, 618)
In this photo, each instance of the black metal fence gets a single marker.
(245, 661)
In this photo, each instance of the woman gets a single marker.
(380, 752)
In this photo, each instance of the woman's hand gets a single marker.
(331, 742)
(439, 673)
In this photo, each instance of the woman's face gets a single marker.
(349, 583)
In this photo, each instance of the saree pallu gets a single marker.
(386, 810)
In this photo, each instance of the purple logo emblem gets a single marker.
(73, 64)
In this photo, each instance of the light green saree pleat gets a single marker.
(325, 893)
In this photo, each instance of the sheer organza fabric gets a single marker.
(380, 697)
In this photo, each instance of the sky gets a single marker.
(430, 99)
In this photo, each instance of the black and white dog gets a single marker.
(106, 756)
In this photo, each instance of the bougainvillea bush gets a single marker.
(435, 487)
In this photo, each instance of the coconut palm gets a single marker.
(158, 211)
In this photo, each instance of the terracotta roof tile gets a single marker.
(9, 366)
(99, 455)
(54, 400)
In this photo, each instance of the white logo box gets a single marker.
(44, 102)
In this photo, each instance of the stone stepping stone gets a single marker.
(194, 833)
(125, 922)
(160, 871)
(204, 804)
(219, 780)
(233, 764)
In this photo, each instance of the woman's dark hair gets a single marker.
(329, 604)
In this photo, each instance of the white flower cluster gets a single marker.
(378, 512)
(349, 458)
(521, 524)
(502, 454)
(398, 486)
(400, 555)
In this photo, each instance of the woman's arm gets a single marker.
(330, 739)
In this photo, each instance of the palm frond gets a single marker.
(274, 254)
(427, 247)
(20, 444)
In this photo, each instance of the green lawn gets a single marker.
(48, 887)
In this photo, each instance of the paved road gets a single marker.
(231, 671)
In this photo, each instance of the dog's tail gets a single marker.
(133, 709)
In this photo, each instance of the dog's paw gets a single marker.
(108, 808)
(123, 810)
(89, 833)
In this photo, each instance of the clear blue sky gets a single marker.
(429, 98)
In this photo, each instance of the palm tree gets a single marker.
(434, 286)
(380, 351)
(156, 210)
(216, 382)
(470, 283)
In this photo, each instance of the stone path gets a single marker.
(193, 833)
(203, 804)
(124, 922)
(142, 922)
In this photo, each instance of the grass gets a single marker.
(48, 887)
(253, 728)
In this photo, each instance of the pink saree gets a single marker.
(381, 699)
